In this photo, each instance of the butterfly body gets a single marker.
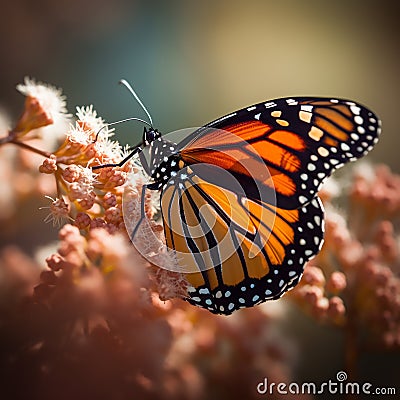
(239, 196)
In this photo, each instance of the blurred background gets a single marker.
(193, 61)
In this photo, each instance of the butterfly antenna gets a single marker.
(133, 93)
(120, 122)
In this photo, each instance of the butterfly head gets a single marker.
(150, 135)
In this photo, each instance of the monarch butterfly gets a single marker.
(245, 240)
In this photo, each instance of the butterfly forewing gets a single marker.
(301, 140)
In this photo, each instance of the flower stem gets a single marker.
(30, 148)
(6, 139)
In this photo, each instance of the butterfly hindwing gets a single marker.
(236, 252)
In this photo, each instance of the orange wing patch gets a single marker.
(245, 148)
(289, 139)
(247, 237)
(324, 113)
(243, 131)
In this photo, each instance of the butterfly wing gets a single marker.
(301, 141)
(238, 248)
(236, 252)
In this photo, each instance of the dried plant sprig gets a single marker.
(45, 106)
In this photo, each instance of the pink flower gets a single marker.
(44, 105)
(59, 212)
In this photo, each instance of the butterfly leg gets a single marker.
(122, 162)
(142, 210)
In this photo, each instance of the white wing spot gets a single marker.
(355, 110)
(306, 107)
(302, 199)
(358, 120)
(311, 167)
(344, 146)
(323, 152)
